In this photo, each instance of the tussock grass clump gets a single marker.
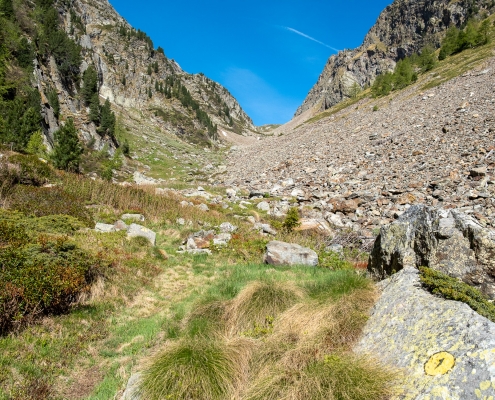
(207, 320)
(453, 289)
(334, 377)
(197, 369)
(258, 304)
(334, 285)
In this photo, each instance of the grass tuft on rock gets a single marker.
(454, 289)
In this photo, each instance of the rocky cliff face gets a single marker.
(130, 74)
(402, 29)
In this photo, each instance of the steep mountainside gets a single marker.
(402, 29)
(73, 41)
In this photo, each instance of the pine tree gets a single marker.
(94, 108)
(149, 70)
(7, 8)
(67, 151)
(90, 84)
(107, 120)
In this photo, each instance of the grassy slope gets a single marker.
(141, 301)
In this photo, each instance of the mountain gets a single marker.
(58, 55)
(402, 29)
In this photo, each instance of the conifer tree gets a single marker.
(107, 120)
(90, 84)
(67, 151)
(94, 108)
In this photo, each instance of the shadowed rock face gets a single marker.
(444, 349)
(402, 29)
(445, 240)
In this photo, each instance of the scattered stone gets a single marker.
(180, 221)
(227, 227)
(481, 171)
(265, 228)
(106, 228)
(314, 224)
(263, 206)
(222, 239)
(132, 389)
(281, 253)
(133, 217)
(136, 230)
(231, 193)
(203, 207)
(335, 248)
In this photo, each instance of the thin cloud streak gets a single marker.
(309, 37)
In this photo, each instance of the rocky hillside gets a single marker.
(130, 72)
(402, 29)
(362, 166)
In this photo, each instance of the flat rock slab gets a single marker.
(281, 253)
(133, 217)
(106, 228)
(136, 230)
(445, 349)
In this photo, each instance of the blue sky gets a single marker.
(268, 54)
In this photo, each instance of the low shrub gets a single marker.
(454, 289)
(291, 220)
(41, 202)
(30, 170)
(51, 224)
(41, 276)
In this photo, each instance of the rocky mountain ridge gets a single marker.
(132, 75)
(401, 30)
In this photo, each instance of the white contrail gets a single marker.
(310, 38)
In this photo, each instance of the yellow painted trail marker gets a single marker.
(439, 364)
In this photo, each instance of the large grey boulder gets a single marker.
(136, 230)
(442, 348)
(281, 253)
(445, 240)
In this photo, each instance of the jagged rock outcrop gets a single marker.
(445, 240)
(441, 348)
(402, 29)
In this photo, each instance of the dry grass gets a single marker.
(298, 346)
(198, 369)
(259, 302)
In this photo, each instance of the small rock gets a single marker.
(263, 206)
(180, 221)
(203, 207)
(227, 227)
(133, 217)
(281, 253)
(481, 171)
(106, 228)
(136, 230)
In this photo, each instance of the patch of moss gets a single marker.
(453, 289)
